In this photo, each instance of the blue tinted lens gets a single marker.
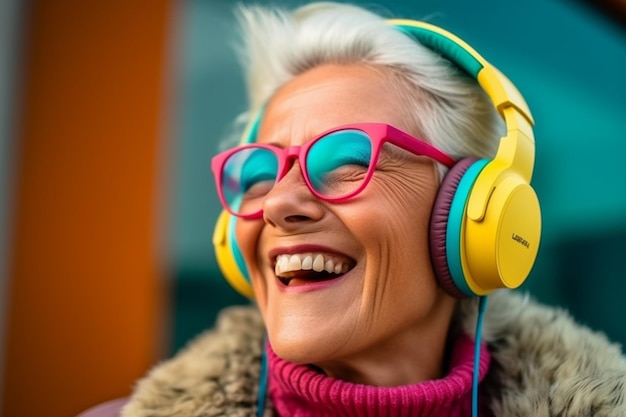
(337, 163)
(248, 175)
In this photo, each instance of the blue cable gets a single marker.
(260, 403)
(482, 306)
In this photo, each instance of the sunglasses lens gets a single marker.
(337, 164)
(248, 176)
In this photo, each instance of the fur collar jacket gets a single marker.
(543, 364)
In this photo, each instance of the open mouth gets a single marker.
(304, 268)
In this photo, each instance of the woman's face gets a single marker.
(387, 305)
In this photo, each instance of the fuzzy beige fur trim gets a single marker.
(543, 365)
(217, 374)
(546, 364)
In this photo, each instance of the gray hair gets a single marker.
(450, 109)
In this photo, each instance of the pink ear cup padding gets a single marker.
(439, 225)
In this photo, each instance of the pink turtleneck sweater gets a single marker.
(301, 391)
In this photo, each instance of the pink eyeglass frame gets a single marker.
(379, 134)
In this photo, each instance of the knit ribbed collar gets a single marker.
(302, 391)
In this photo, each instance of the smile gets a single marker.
(310, 266)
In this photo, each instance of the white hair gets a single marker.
(449, 108)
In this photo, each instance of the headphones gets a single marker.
(486, 221)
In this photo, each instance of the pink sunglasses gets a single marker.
(336, 165)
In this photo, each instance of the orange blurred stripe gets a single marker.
(86, 291)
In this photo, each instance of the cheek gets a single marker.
(403, 206)
(394, 232)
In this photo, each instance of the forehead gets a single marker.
(329, 96)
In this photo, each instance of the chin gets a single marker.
(292, 352)
(301, 350)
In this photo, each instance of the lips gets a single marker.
(302, 268)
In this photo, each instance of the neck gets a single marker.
(414, 355)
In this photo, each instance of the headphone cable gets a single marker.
(482, 306)
(260, 405)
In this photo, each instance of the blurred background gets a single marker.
(111, 111)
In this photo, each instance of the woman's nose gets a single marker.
(290, 203)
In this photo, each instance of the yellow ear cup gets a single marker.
(228, 255)
(502, 228)
(499, 249)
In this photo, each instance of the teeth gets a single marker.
(307, 263)
(317, 262)
(329, 265)
(294, 263)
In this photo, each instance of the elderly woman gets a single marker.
(342, 220)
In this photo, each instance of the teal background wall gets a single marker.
(569, 62)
